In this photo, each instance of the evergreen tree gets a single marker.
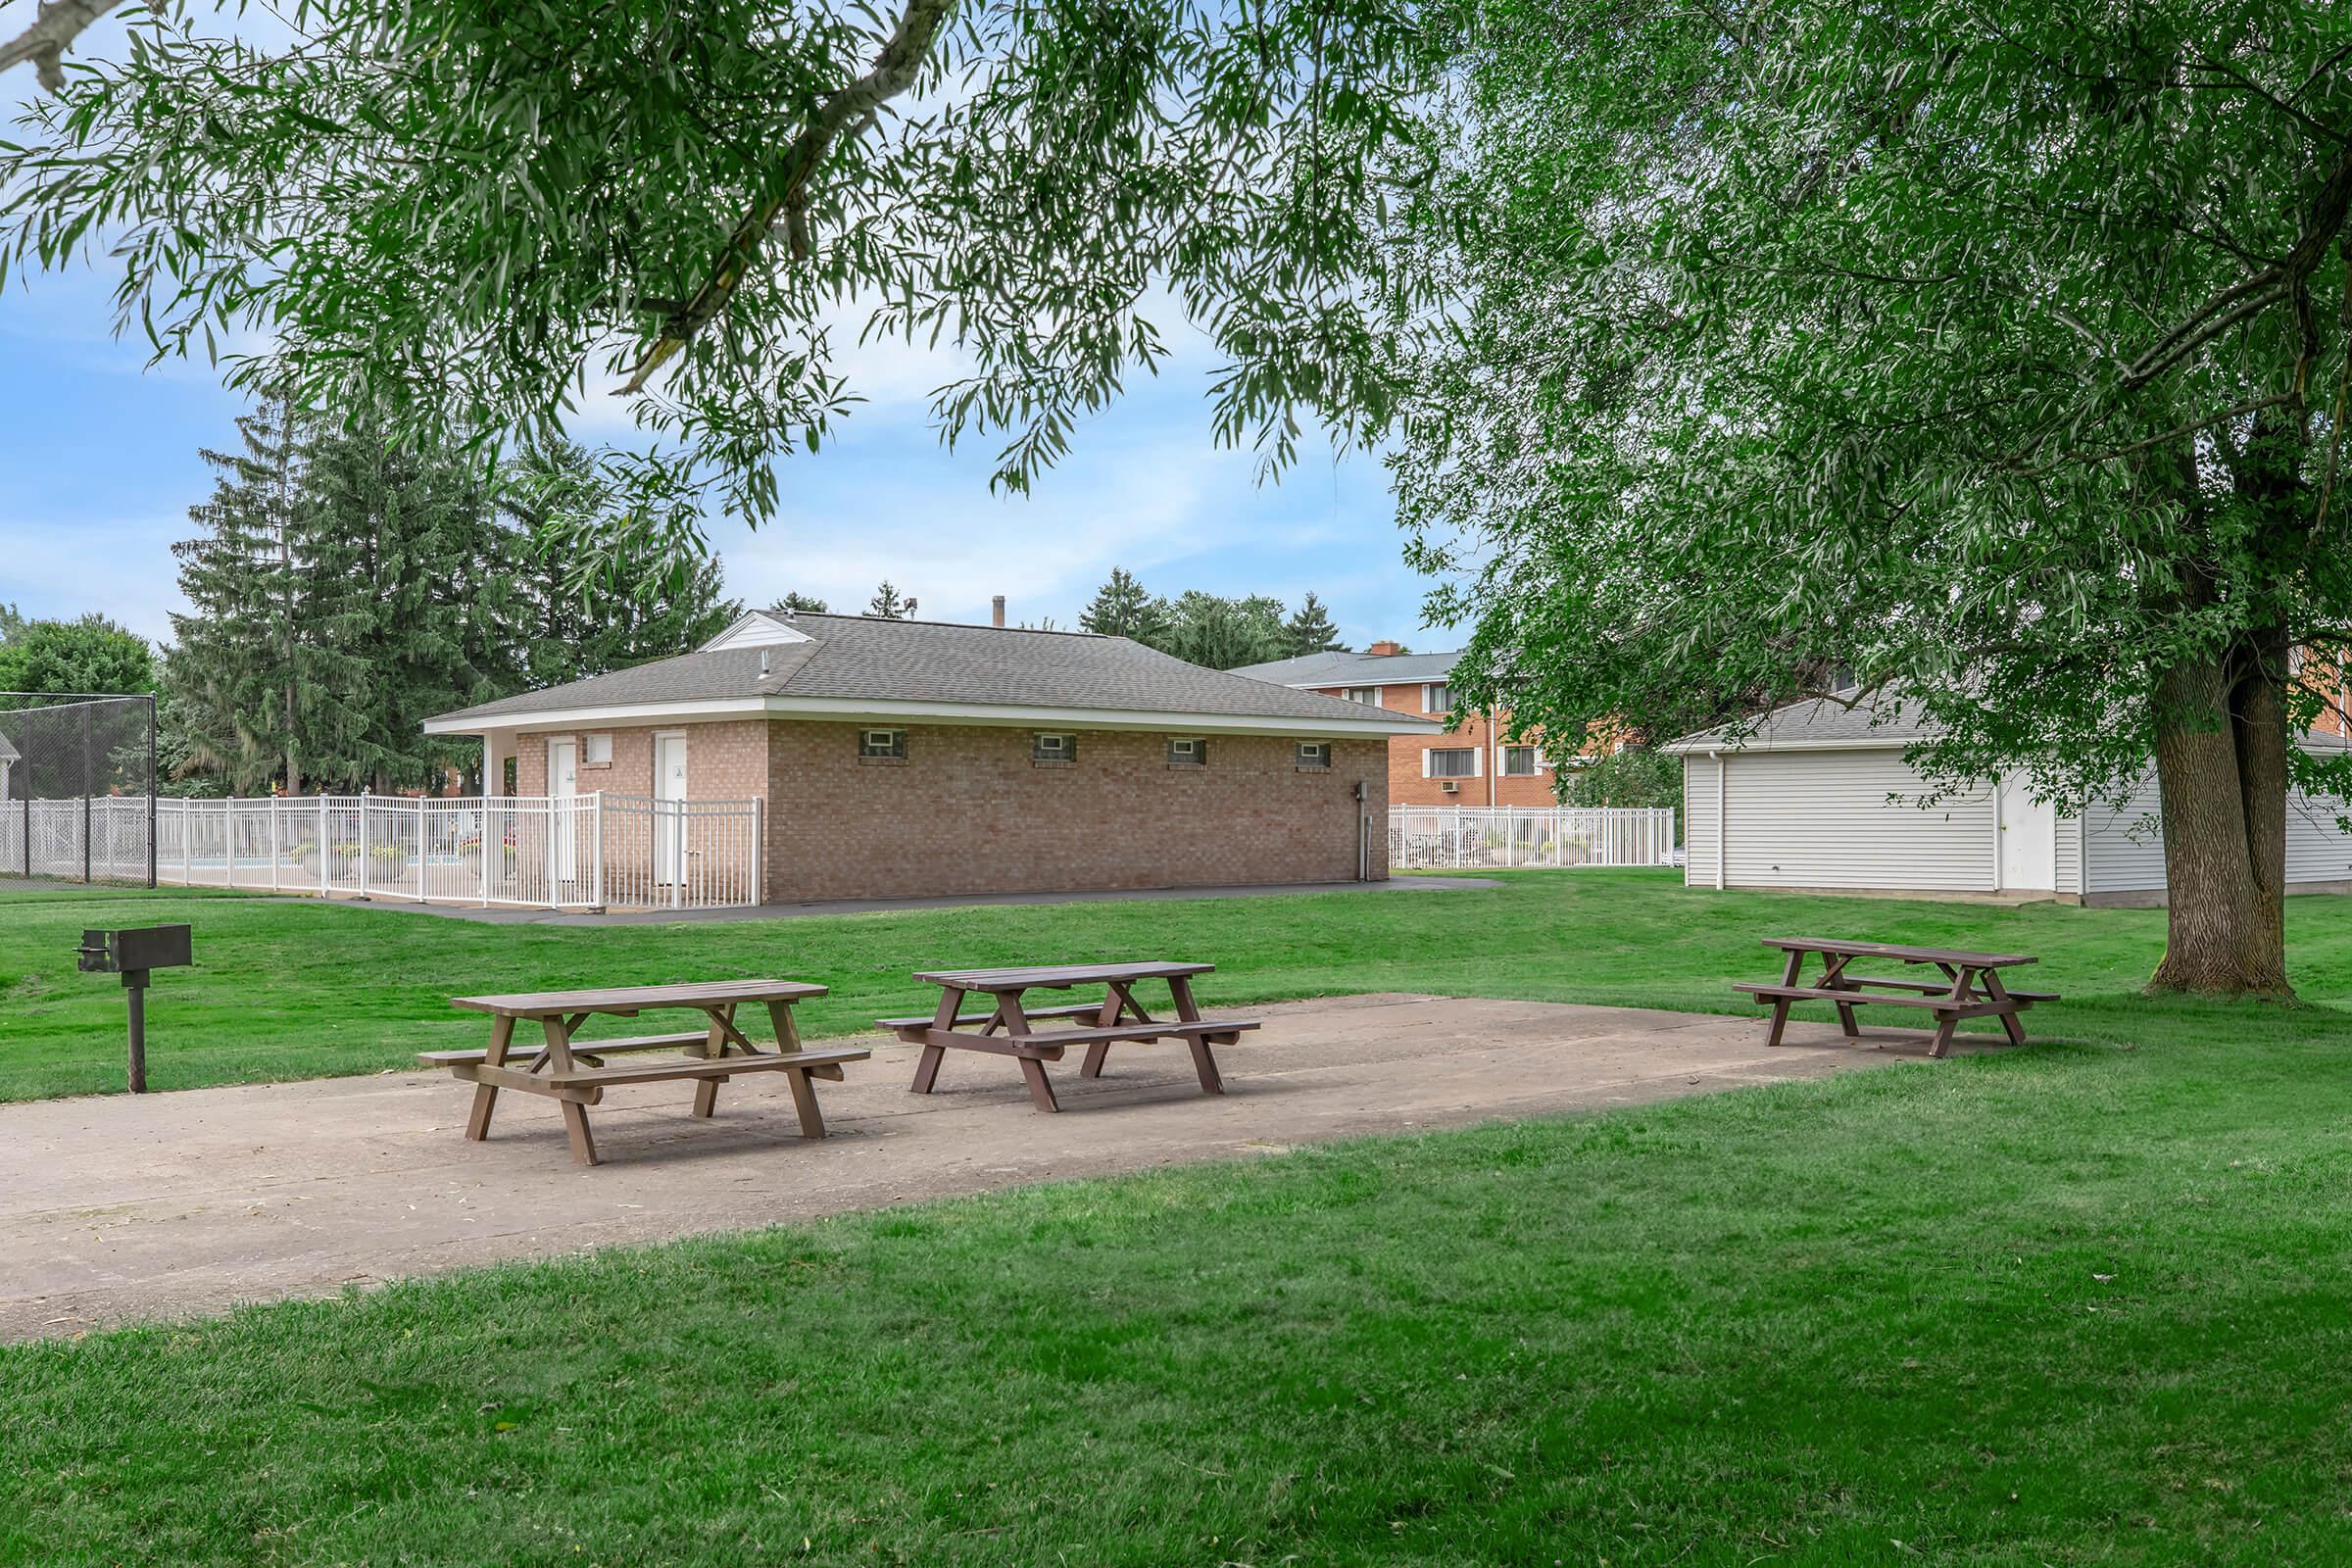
(231, 668)
(1310, 629)
(798, 604)
(888, 605)
(654, 603)
(1221, 633)
(1121, 608)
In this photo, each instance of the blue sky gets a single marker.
(98, 466)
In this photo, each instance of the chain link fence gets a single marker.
(78, 787)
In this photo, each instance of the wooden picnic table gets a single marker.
(1972, 985)
(575, 1074)
(1009, 1028)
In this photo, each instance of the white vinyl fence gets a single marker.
(581, 852)
(1425, 838)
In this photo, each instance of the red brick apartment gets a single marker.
(900, 758)
(1471, 764)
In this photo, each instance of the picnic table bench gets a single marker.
(575, 1073)
(1009, 1028)
(1972, 985)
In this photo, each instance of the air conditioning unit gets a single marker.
(1448, 786)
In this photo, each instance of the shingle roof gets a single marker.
(1341, 668)
(1884, 720)
(1817, 721)
(853, 656)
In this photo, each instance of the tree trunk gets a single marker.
(2220, 772)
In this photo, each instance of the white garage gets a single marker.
(1819, 797)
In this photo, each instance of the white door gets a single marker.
(669, 818)
(2029, 839)
(563, 783)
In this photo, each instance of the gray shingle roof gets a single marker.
(1884, 720)
(1817, 721)
(855, 657)
(1338, 668)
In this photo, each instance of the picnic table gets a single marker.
(1972, 985)
(1010, 1027)
(575, 1072)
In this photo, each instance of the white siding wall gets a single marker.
(2124, 850)
(2317, 850)
(1698, 821)
(2070, 854)
(1823, 820)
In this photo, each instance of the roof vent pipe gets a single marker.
(995, 611)
(763, 663)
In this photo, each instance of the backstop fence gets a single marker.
(1428, 837)
(78, 787)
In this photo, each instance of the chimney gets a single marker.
(996, 611)
(1383, 649)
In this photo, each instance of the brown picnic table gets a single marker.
(575, 1072)
(1972, 985)
(1009, 1026)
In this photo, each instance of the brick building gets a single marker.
(899, 758)
(1471, 764)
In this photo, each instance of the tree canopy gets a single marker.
(88, 656)
(1996, 355)
(462, 215)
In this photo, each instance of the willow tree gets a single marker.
(1994, 354)
(467, 214)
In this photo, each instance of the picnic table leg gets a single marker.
(1204, 1060)
(575, 1114)
(485, 1096)
(1118, 1006)
(2011, 1024)
(1780, 1023)
(803, 1091)
(715, 1045)
(1033, 1071)
(926, 1065)
(1945, 1023)
(1832, 978)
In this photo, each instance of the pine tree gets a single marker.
(798, 604)
(1310, 631)
(888, 605)
(231, 672)
(1121, 608)
(1223, 633)
(654, 604)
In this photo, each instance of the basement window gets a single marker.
(1314, 754)
(1187, 753)
(1045, 748)
(882, 746)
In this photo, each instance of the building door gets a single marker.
(563, 784)
(669, 816)
(2029, 838)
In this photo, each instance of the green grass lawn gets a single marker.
(289, 988)
(2090, 1303)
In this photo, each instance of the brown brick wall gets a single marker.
(1406, 786)
(969, 812)
(725, 760)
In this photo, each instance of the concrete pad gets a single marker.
(116, 1209)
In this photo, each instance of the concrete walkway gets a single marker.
(114, 1209)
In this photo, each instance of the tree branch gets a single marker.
(56, 24)
(2257, 293)
(855, 107)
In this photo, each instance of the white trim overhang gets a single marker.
(850, 710)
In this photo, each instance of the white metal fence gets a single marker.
(580, 851)
(1423, 838)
